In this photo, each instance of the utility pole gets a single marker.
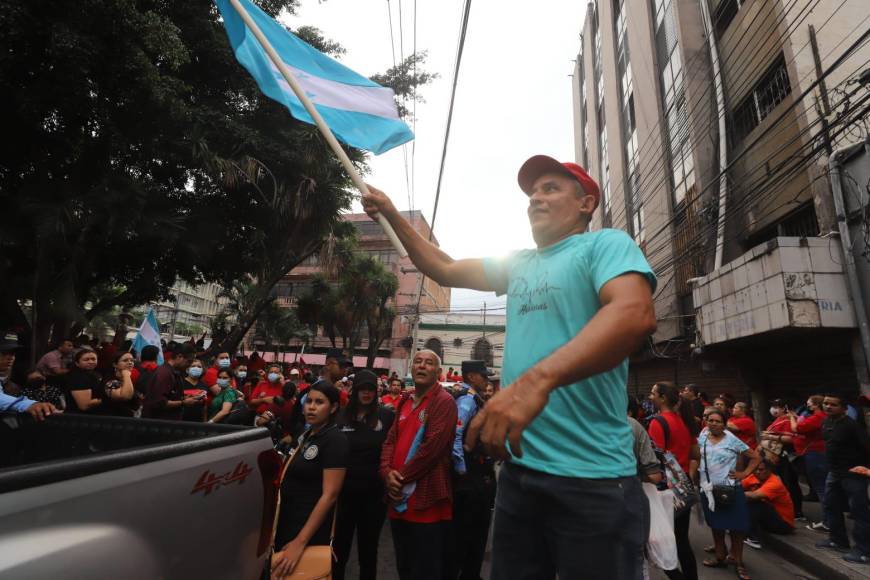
(484, 320)
(415, 323)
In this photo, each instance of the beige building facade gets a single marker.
(394, 352)
(647, 109)
(456, 337)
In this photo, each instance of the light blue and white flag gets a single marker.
(149, 333)
(359, 111)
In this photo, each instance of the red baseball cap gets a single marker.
(538, 165)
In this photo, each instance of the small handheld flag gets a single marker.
(359, 111)
(149, 334)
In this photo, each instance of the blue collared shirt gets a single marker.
(16, 404)
(466, 408)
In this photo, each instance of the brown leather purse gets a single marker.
(316, 561)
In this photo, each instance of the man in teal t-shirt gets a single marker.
(577, 306)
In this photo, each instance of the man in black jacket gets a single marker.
(846, 446)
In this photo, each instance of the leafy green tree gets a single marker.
(351, 301)
(141, 152)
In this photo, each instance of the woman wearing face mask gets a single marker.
(721, 451)
(241, 374)
(83, 389)
(265, 392)
(222, 403)
(194, 386)
(222, 362)
(779, 435)
(119, 397)
(37, 389)
(311, 482)
(365, 423)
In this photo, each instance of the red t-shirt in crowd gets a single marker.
(679, 439)
(809, 431)
(266, 389)
(392, 400)
(746, 431)
(780, 425)
(409, 424)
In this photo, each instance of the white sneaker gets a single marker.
(752, 543)
(818, 527)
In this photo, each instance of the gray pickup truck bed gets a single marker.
(104, 497)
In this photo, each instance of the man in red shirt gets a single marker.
(164, 394)
(392, 398)
(416, 467)
(742, 425)
(770, 505)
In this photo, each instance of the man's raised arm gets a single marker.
(428, 258)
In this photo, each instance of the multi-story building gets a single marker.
(708, 128)
(192, 310)
(394, 352)
(464, 336)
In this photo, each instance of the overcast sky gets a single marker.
(513, 100)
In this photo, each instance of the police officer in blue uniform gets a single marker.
(473, 480)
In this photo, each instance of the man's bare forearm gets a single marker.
(616, 331)
(428, 258)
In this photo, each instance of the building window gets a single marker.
(634, 201)
(583, 122)
(674, 102)
(435, 345)
(725, 14)
(482, 351)
(604, 162)
(768, 92)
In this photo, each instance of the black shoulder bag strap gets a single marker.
(665, 428)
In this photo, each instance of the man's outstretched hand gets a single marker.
(506, 415)
(40, 411)
(377, 202)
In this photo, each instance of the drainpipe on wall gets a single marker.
(835, 166)
(723, 138)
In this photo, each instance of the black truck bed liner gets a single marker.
(69, 446)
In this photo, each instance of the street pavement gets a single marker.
(762, 564)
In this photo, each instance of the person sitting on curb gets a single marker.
(770, 506)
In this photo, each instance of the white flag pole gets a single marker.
(318, 120)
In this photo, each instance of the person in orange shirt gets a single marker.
(770, 505)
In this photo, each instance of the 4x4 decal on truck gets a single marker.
(209, 482)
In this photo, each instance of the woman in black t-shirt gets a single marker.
(311, 482)
(361, 508)
(118, 394)
(84, 392)
(195, 387)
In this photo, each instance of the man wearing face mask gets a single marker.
(221, 362)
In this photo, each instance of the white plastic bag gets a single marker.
(662, 544)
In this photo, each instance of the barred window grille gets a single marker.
(770, 90)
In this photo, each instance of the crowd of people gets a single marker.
(363, 447)
(748, 479)
(575, 496)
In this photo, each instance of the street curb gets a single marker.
(823, 567)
